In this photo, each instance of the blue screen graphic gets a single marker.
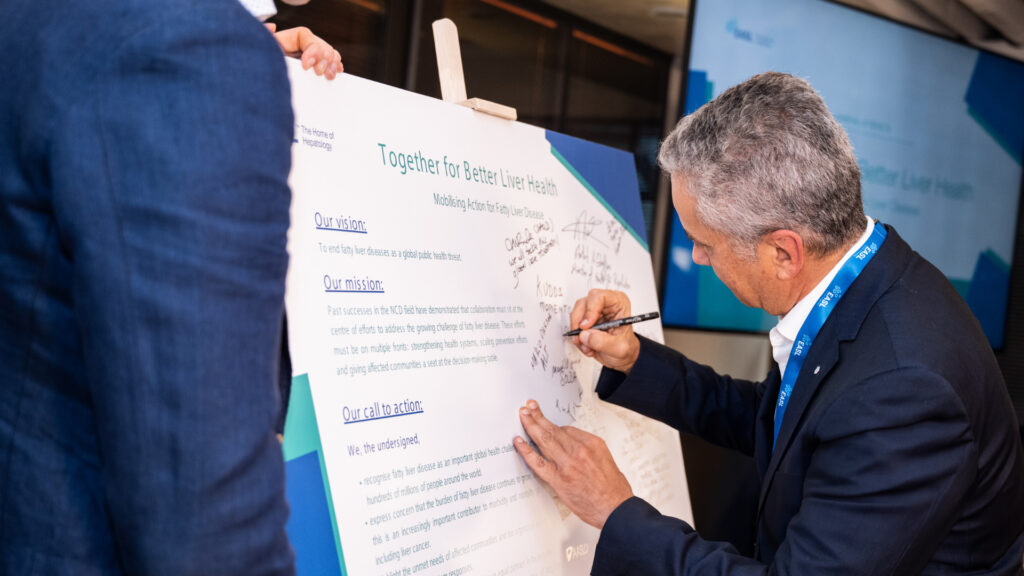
(937, 127)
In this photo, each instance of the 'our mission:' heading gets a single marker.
(418, 162)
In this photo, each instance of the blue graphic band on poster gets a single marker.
(613, 170)
(312, 527)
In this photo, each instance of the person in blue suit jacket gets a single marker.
(885, 438)
(144, 156)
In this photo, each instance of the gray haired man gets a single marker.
(885, 439)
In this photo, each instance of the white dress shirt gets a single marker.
(264, 9)
(261, 9)
(784, 334)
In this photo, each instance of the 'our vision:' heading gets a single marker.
(462, 170)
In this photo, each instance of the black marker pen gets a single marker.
(617, 323)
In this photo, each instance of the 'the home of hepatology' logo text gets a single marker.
(732, 27)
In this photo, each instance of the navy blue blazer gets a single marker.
(898, 453)
(144, 156)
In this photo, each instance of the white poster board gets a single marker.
(435, 255)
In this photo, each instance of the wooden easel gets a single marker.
(449, 70)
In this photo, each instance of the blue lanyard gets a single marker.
(816, 319)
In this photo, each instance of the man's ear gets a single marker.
(785, 252)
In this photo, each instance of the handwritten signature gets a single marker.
(587, 227)
(583, 228)
(529, 245)
(539, 355)
(593, 264)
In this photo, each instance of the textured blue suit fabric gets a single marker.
(898, 453)
(143, 215)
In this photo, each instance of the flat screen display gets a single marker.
(937, 128)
